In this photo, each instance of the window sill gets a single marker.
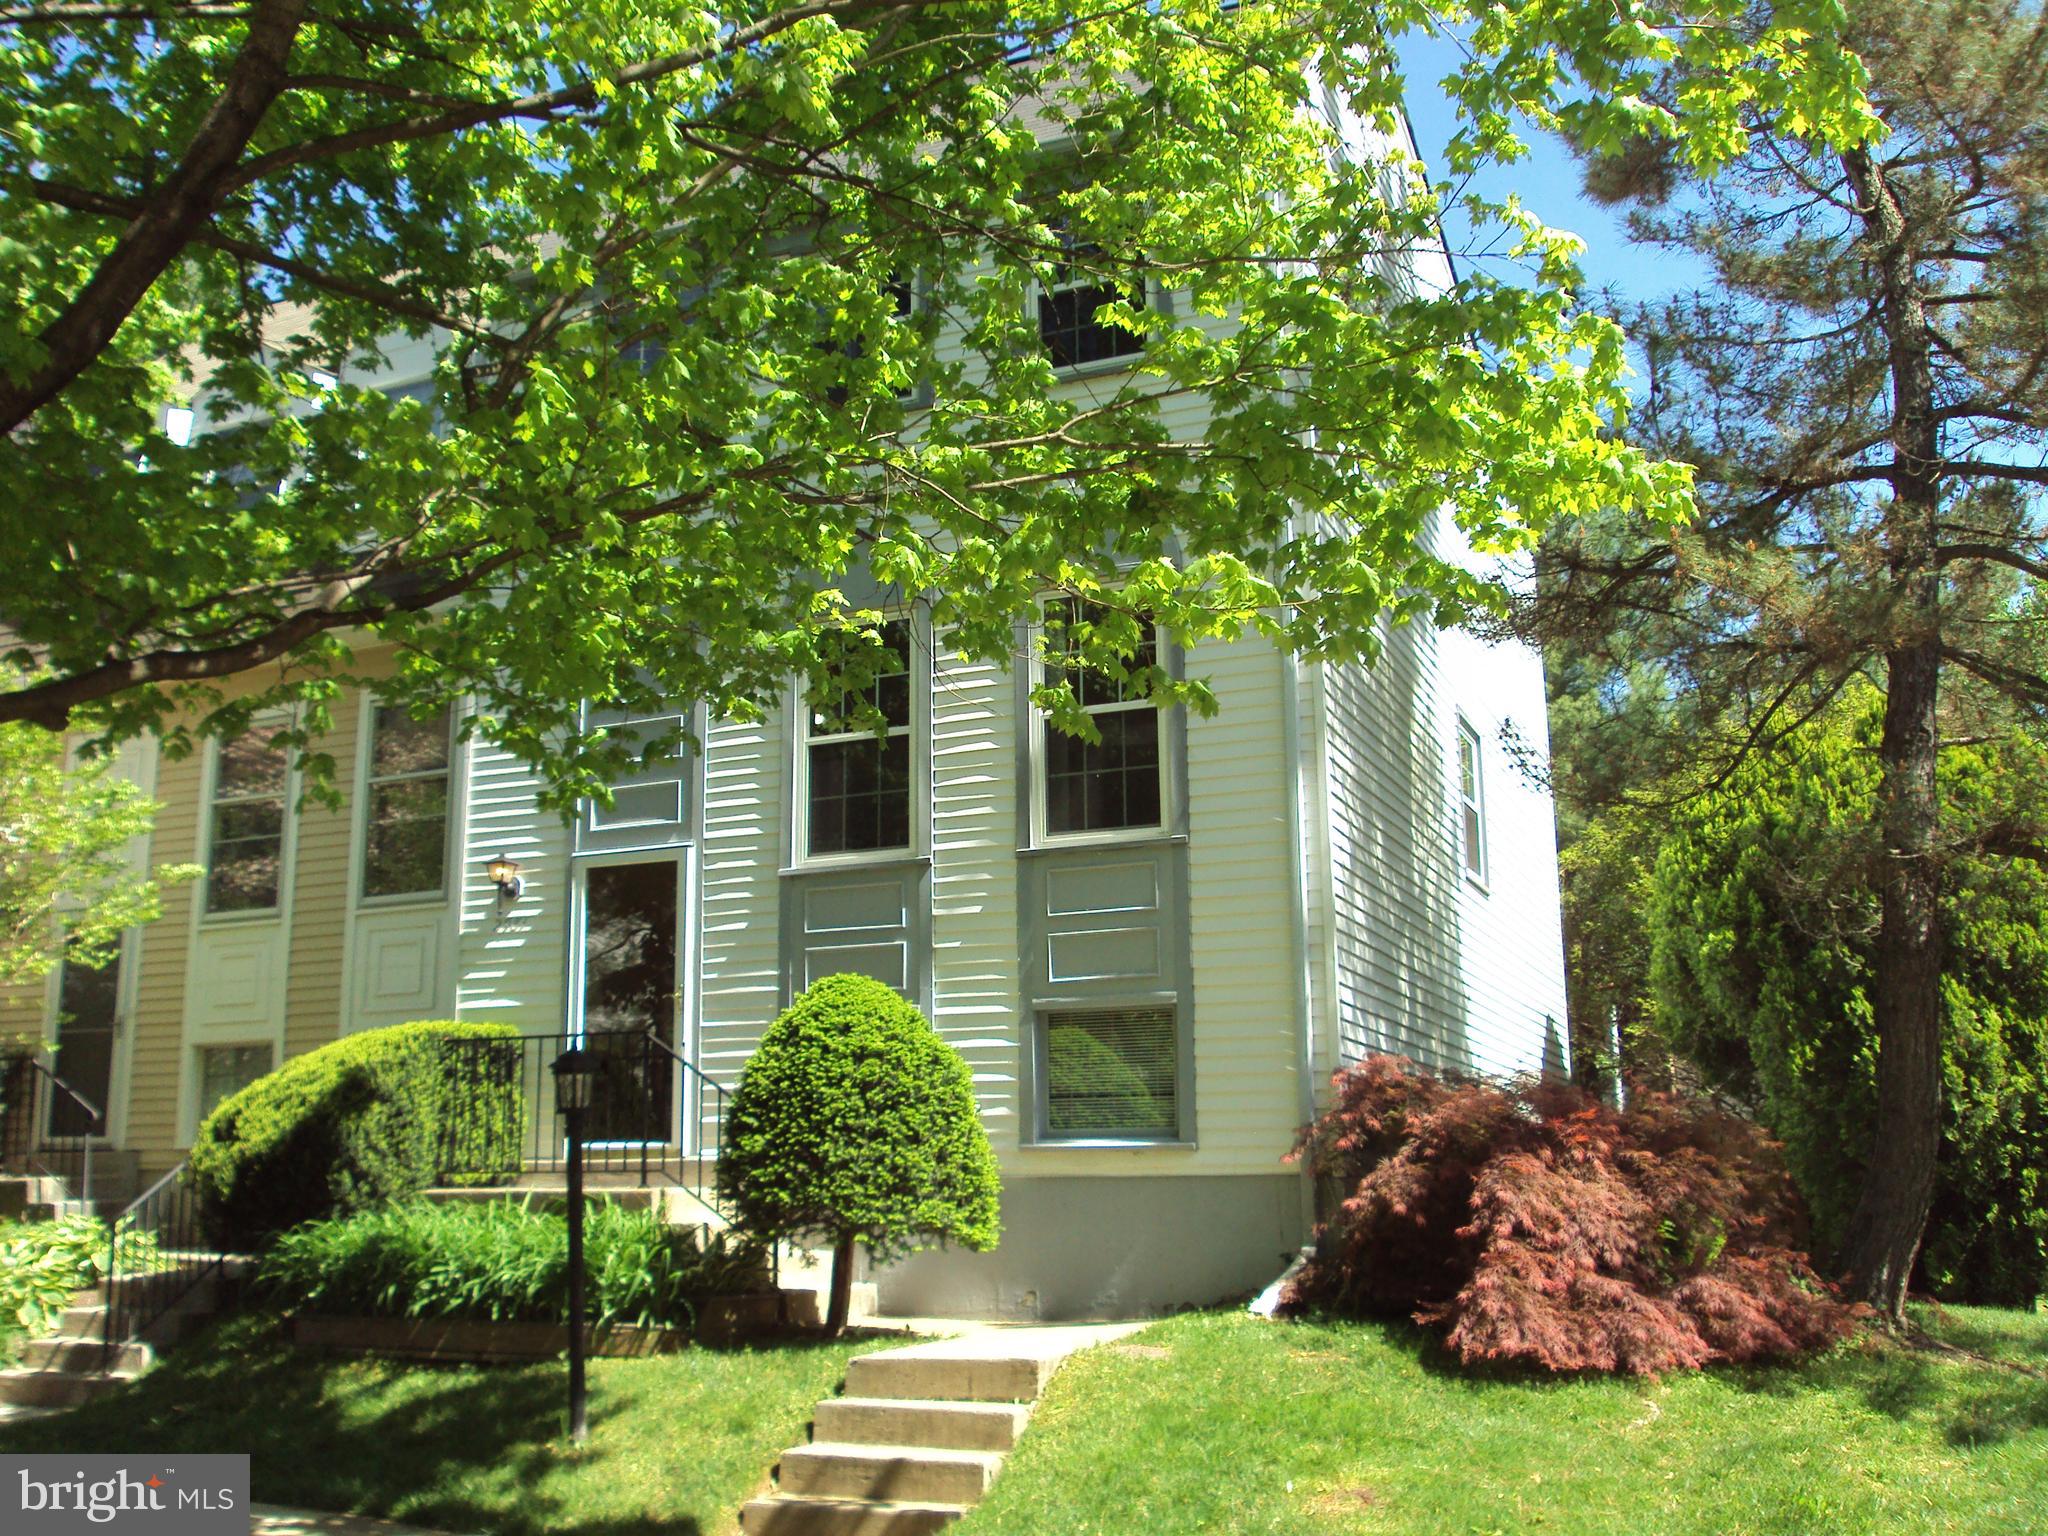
(235, 919)
(1101, 367)
(402, 903)
(1107, 1144)
(1145, 837)
(854, 864)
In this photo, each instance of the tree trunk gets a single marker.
(842, 1288)
(1884, 1232)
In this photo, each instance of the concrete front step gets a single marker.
(844, 1517)
(59, 1389)
(952, 1426)
(83, 1321)
(84, 1357)
(909, 1374)
(911, 1474)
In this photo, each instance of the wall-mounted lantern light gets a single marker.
(503, 872)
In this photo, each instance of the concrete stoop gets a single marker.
(73, 1366)
(919, 1435)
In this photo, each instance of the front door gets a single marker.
(632, 987)
(88, 1024)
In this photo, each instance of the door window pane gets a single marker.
(630, 986)
(88, 999)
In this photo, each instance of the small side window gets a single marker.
(1471, 803)
(225, 1070)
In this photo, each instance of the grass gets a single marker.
(1219, 1424)
(677, 1443)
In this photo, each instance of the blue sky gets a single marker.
(1548, 182)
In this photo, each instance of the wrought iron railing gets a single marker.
(157, 1254)
(654, 1117)
(47, 1127)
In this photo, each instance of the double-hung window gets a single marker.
(857, 778)
(1114, 783)
(1471, 804)
(1069, 305)
(246, 824)
(405, 837)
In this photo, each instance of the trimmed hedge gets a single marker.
(504, 1261)
(855, 1122)
(351, 1125)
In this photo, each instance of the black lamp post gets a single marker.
(574, 1071)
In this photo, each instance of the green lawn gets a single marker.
(677, 1443)
(1223, 1424)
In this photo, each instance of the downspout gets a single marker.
(1297, 915)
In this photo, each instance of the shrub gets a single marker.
(855, 1122)
(43, 1262)
(502, 1262)
(1536, 1225)
(1763, 922)
(350, 1125)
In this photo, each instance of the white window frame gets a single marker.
(1039, 790)
(1473, 804)
(367, 780)
(919, 791)
(287, 842)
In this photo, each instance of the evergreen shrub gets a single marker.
(359, 1121)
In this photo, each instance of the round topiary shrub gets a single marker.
(355, 1123)
(855, 1123)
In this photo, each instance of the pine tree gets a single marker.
(1863, 391)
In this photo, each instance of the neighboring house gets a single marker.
(1152, 952)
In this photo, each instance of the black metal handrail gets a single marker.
(27, 1144)
(502, 1119)
(157, 1254)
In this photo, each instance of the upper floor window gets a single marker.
(405, 838)
(1471, 803)
(1113, 783)
(1068, 307)
(245, 836)
(857, 783)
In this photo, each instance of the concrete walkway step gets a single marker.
(85, 1356)
(913, 1474)
(955, 1426)
(920, 1434)
(59, 1389)
(82, 1321)
(787, 1516)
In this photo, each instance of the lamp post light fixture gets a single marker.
(575, 1072)
(503, 872)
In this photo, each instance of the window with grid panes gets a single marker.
(1113, 783)
(857, 783)
(245, 841)
(1067, 310)
(405, 834)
